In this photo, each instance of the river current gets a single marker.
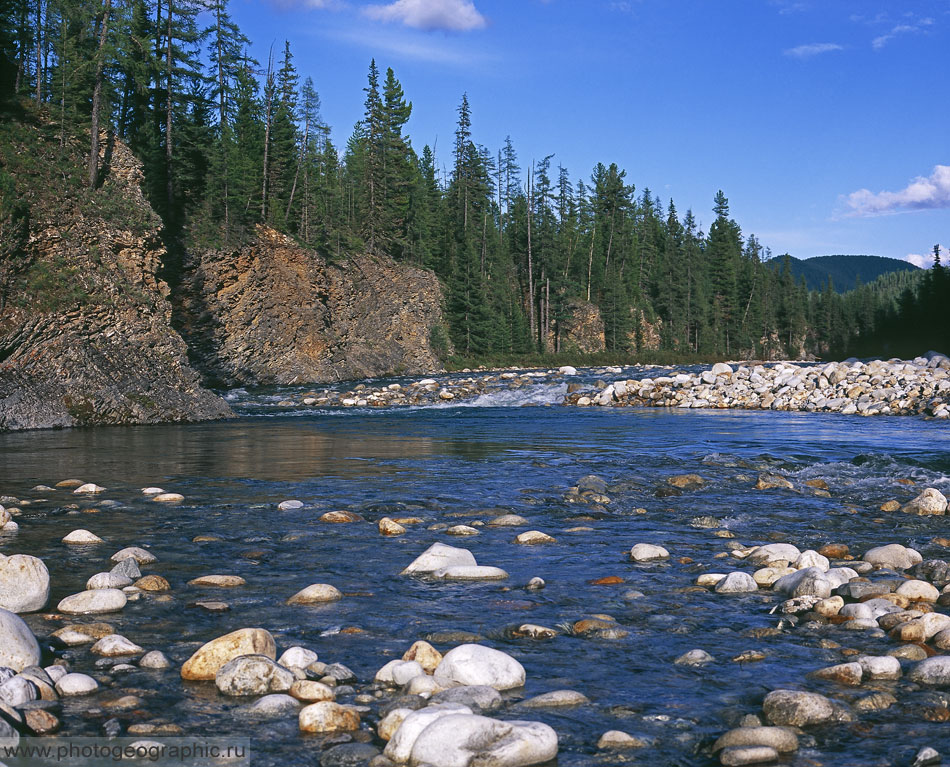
(450, 465)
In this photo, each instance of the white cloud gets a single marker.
(454, 15)
(901, 29)
(930, 193)
(812, 49)
(416, 46)
(926, 260)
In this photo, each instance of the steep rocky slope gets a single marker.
(85, 324)
(273, 312)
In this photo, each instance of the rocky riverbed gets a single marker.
(452, 586)
(894, 387)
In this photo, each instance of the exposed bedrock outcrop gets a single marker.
(274, 312)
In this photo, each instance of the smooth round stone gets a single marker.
(340, 517)
(140, 555)
(508, 520)
(932, 671)
(70, 483)
(918, 591)
(644, 552)
(316, 594)
(930, 502)
(153, 583)
(253, 675)
(458, 740)
(90, 488)
(741, 755)
(440, 556)
(79, 537)
(424, 654)
(461, 530)
(910, 652)
(618, 740)
(810, 558)
(736, 582)
(399, 748)
(810, 581)
(473, 664)
(210, 657)
(327, 716)
(82, 633)
(849, 674)
(116, 645)
(894, 556)
(880, 666)
(533, 537)
(218, 581)
(274, 706)
(708, 580)
(107, 581)
(93, 602)
(290, 505)
(766, 576)
(168, 498)
(471, 573)
(154, 660)
(152, 491)
(694, 658)
(556, 699)
(775, 552)
(297, 657)
(311, 692)
(797, 709)
(76, 684)
(18, 691)
(423, 685)
(24, 583)
(56, 673)
(388, 527)
(782, 739)
(391, 722)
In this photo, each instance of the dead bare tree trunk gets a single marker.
(97, 96)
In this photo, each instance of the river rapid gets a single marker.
(468, 463)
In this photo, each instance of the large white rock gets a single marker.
(894, 556)
(211, 656)
(467, 740)
(644, 552)
(775, 552)
(24, 583)
(116, 645)
(811, 558)
(81, 536)
(297, 657)
(316, 593)
(253, 675)
(736, 582)
(399, 748)
(76, 684)
(934, 671)
(930, 502)
(107, 581)
(473, 664)
(95, 601)
(809, 581)
(438, 557)
(471, 573)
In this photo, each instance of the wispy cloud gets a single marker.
(899, 30)
(415, 46)
(788, 7)
(812, 49)
(923, 193)
(451, 15)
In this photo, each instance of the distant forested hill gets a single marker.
(843, 270)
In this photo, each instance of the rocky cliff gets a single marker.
(85, 321)
(273, 312)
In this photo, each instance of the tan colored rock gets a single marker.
(686, 481)
(328, 716)
(315, 594)
(340, 517)
(889, 506)
(210, 657)
(424, 654)
(311, 692)
(388, 527)
(218, 581)
(154, 583)
(533, 537)
(844, 673)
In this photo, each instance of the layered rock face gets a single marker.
(274, 312)
(85, 324)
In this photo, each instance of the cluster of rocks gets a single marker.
(894, 387)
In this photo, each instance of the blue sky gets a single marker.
(825, 122)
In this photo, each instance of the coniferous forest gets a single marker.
(228, 143)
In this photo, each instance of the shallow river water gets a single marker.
(464, 465)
